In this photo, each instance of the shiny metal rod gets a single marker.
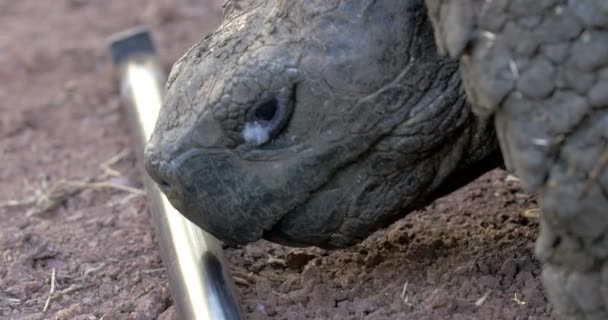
(200, 285)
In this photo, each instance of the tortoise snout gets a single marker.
(164, 173)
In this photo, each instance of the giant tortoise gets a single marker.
(317, 122)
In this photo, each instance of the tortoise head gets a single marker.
(312, 122)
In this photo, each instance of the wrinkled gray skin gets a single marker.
(366, 123)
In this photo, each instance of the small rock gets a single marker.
(468, 289)
(258, 266)
(26, 289)
(461, 270)
(342, 295)
(323, 313)
(292, 315)
(398, 235)
(373, 259)
(526, 264)
(298, 296)
(151, 305)
(483, 267)
(275, 262)
(11, 125)
(113, 271)
(289, 285)
(105, 291)
(87, 301)
(311, 275)
(69, 313)
(257, 315)
(126, 307)
(362, 306)
(255, 251)
(322, 296)
(271, 310)
(508, 269)
(263, 288)
(434, 276)
(34, 316)
(168, 314)
(527, 279)
(534, 297)
(489, 282)
(438, 299)
(85, 317)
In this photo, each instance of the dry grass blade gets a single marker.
(74, 287)
(403, 295)
(51, 292)
(531, 214)
(48, 199)
(18, 203)
(90, 270)
(51, 199)
(241, 282)
(83, 282)
(483, 299)
(517, 300)
(102, 185)
(124, 200)
(106, 167)
(514, 69)
(151, 271)
(8, 300)
(512, 178)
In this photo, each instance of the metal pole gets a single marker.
(200, 285)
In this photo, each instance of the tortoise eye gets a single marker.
(266, 111)
(267, 118)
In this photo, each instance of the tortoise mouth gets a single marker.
(293, 231)
(276, 235)
(282, 200)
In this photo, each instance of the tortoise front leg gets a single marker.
(540, 68)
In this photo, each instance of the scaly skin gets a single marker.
(541, 69)
(366, 123)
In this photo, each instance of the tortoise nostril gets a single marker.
(159, 172)
(165, 185)
(165, 170)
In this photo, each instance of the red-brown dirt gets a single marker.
(467, 256)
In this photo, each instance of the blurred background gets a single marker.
(64, 208)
